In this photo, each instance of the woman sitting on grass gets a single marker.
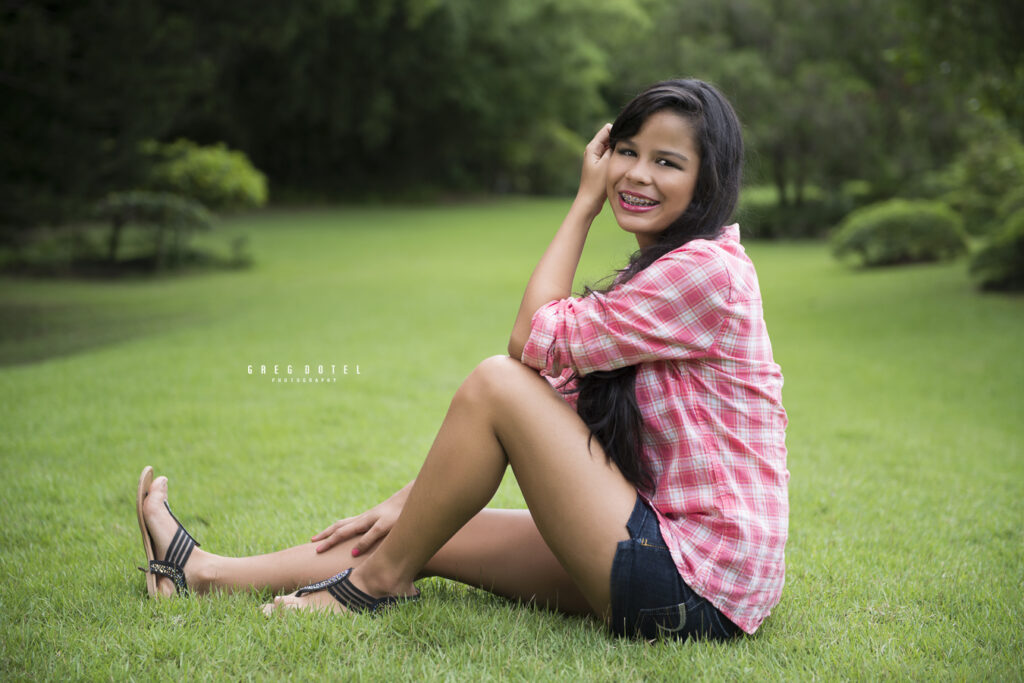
(643, 423)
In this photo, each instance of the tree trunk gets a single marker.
(176, 247)
(800, 178)
(159, 255)
(779, 175)
(115, 239)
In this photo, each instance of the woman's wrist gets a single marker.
(586, 207)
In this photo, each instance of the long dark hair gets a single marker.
(607, 399)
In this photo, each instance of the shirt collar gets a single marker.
(731, 233)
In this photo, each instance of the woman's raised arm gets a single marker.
(552, 278)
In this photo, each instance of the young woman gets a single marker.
(643, 423)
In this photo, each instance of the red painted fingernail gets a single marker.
(355, 552)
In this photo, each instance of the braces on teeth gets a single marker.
(637, 201)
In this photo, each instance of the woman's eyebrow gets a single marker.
(662, 152)
(670, 153)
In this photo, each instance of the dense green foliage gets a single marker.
(219, 178)
(979, 46)
(338, 98)
(900, 231)
(903, 389)
(1000, 264)
(764, 214)
(985, 180)
(82, 84)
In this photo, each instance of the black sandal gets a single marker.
(353, 599)
(178, 552)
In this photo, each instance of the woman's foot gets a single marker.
(322, 600)
(162, 527)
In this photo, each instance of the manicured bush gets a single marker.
(1000, 265)
(219, 178)
(900, 231)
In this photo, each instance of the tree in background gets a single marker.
(82, 84)
(979, 46)
(219, 178)
(819, 87)
(332, 98)
(171, 216)
(346, 99)
(378, 98)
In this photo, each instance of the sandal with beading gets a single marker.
(351, 598)
(178, 552)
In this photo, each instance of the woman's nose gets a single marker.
(638, 173)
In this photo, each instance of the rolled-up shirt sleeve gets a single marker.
(671, 310)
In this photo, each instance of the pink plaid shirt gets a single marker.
(711, 399)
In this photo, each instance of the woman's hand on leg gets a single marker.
(371, 526)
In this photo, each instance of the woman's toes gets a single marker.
(320, 601)
(165, 587)
(270, 607)
(280, 602)
(159, 487)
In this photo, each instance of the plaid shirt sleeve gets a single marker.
(671, 310)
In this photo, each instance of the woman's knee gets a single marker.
(491, 379)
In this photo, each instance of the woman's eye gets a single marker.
(626, 152)
(666, 162)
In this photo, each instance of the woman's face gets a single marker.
(652, 175)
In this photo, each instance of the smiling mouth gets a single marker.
(635, 202)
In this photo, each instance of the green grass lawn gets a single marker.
(904, 388)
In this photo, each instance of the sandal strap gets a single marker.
(180, 525)
(175, 574)
(341, 589)
(180, 549)
(178, 552)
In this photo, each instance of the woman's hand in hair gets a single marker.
(592, 192)
(371, 526)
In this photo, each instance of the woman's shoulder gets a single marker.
(719, 263)
(708, 254)
(727, 241)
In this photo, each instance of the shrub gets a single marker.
(1000, 265)
(164, 211)
(811, 219)
(51, 250)
(900, 231)
(220, 178)
(762, 215)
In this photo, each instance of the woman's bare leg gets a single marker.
(505, 414)
(503, 552)
(498, 550)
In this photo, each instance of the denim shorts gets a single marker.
(649, 598)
